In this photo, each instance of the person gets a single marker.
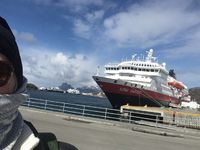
(16, 133)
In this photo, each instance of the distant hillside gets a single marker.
(89, 89)
(195, 93)
(65, 86)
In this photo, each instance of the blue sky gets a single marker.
(65, 40)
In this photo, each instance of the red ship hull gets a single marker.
(119, 95)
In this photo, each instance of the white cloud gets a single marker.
(88, 27)
(81, 2)
(29, 37)
(47, 68)
(151, 23)
(67, 3)
(95, 16)
(82, 29)
(25, 36)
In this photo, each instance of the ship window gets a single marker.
(143, 69)
(152, 70)
(125, 67)
(139, 69)
(147, 70)
(132, 68)
(115, 81)
(122, 67)
(125, 83)
(135, 69)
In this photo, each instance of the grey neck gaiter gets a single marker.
(11, 122)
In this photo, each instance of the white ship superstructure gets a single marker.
(144, 75)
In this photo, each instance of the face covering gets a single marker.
(11, 122)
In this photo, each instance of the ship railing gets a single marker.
(125, 116)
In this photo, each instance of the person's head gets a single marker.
(11, 73)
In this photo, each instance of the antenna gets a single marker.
(97, 74)
(133, 56)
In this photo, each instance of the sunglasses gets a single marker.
(6, 69)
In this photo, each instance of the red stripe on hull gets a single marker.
(133, 91)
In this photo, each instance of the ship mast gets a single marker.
(150, 57)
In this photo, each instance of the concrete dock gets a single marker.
(90, 134)
(180, 117)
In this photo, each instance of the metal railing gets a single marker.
(114, 114)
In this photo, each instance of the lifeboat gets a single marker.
(177, 85)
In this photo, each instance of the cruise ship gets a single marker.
(142, 82)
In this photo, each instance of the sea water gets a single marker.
(70, 98)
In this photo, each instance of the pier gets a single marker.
(179, 117)
(87, 133)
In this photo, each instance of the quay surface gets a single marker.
(90, 133)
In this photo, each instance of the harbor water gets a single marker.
(70, 98)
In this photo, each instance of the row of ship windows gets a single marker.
(132, 68)
(145, 65)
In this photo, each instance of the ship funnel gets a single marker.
(172, 73)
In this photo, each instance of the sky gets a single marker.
(66, 40)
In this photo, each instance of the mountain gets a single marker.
(65, 86)
(195, 94)
(89, 89)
